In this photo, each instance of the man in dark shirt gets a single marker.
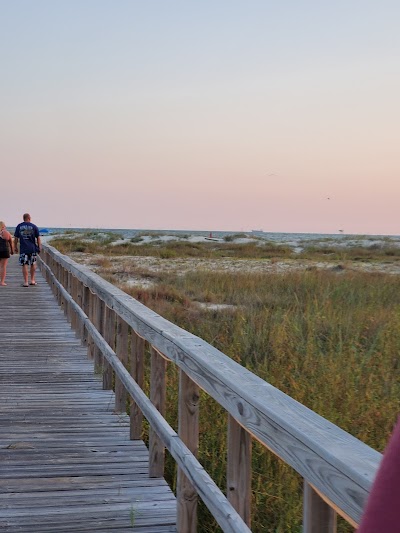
(29, 247)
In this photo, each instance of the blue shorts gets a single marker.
(27, 259)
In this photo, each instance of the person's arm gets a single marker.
(16, 237)
(39, 243)
(10, 242)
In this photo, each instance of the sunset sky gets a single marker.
(208, 114)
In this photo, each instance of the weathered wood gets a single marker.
(211, 495)
(189, 395)
(91, 302)
(62, 272)
(68, 281)
(339, 466)
(239, 469)
(74, 294)
(318, 516)
(85, 308)
(121, 396)
(109, 336)
(137, 373)
(98, 323)
(67, 463)
(158, 391)
(57, 269)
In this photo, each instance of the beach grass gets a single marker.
(325, 250)
(328, 338)
(330, 341)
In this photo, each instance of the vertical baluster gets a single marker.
(137, 372)
(90, 313)
(189, 432)
(122, 353)
(109, 335)
(99, 325)
(239, 469)
(58, 273)
(74, 316)
(68, 288)
(158, 398)
(62, 281)
(85, 309)
(318, 516)
(79, 301)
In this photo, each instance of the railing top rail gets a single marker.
(337, 464)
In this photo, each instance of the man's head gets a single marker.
(27, 217)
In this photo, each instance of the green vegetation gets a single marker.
(329, 339)
(233, 236)
(132, 516)
(325, 250)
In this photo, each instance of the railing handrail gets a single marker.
(339, 466)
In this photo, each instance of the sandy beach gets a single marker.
(139, 270)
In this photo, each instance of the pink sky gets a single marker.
(218, 116)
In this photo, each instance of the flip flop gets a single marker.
(23, 285)
(33, 283)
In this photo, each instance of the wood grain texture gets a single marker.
(158, 391)
(337, 465)
(239, 469)
(318, 516)
(224, 513)
(186, 495)
(66, 461)
(121, 395)
(109, 336)
(137, 373)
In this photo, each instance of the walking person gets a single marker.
(6, 248)
(29, 247)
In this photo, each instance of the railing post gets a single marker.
(122, 353)
(64, 304)
(74, 316)
(318, 516)
(68, 289)
(85, 309)
(109, 336)
(189, 396)
(79, 301)
(239, 469)
(58, 273)
(158, 398)
(90, 313)
(137, 372)
(99, 325)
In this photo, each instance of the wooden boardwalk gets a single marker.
(66, 461)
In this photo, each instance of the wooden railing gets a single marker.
(337, 468)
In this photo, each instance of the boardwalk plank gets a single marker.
(67, 463)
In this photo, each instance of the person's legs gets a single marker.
(3, 271)
(33, 269)
(25, 274)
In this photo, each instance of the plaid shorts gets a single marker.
(27, 259)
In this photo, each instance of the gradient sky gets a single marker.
(207, 114)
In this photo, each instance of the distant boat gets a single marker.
(257, 231)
